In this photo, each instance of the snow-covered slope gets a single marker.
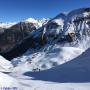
(5, 65)
(77, 70)
(49, 58)
(72, 75)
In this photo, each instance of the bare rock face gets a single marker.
(14, 35)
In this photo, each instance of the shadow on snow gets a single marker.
(76, 70)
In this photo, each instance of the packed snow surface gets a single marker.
(72, 75)
(5, 65)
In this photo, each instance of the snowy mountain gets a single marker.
(77, 22)
(7, 25)
(52, 41)
(54, 55)
(37, 23)
(72, 28)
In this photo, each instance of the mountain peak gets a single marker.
(31, 20)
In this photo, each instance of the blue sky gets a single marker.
(15, 10)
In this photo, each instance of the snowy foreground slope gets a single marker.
(72, 75)
(7, 81)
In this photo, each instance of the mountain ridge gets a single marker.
(61, 29)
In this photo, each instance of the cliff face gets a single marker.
(14, 35)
